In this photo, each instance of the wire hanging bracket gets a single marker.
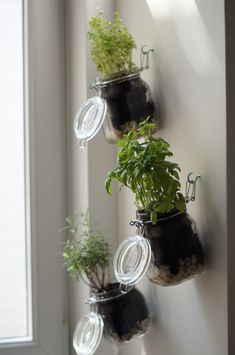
(144, 57)
(190, 189)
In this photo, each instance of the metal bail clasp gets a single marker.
(190, 190)
(94, 85)
(124, 288)
(82, 143)
(92, 302)
(139, 226)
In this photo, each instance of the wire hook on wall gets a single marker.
(190, 190)
(144, 57)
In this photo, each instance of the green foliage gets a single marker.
(111, 46)
(86, 254)
(143, 167)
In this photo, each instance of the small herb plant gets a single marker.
(144, 168)
(111, 46)
(87, 254)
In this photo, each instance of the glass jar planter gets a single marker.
(169, 252)
(128, 101)
(122, 104)
(119, 317)
(125, 315)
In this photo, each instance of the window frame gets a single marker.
(45, 137)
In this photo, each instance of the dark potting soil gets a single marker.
(125, 315)
(173, 241)
(128, 102)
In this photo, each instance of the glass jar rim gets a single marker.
(100, 82)
(168, 216)
(102, 297)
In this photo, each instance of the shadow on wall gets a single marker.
(144, 346)
(163, 340)
(165, 345)
(211, 287)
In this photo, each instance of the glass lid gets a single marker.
(89, 119)
(88, 333)
(131, 260)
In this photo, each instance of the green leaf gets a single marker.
(180, 203)
(87, 252)
(111, 45)
(153, 217)
(175, 174)
(144, 168)
(108, 186)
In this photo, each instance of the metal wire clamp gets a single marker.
(190, 189)
(139, 226)
(144, 57)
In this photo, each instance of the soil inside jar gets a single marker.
(177, 250)
(128, 102)
(125, 315)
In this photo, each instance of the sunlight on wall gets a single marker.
(190, 30)
(160, 9)
(185, 8)
(168, 8)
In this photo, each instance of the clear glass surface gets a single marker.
(131, 260)
(89, 118)
(88, 333)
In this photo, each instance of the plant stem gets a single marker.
(84, 280)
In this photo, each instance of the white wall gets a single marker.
(189, 67)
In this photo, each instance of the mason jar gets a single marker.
(122, 103)
(168, 252)
(129, 101)
(119, 316)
